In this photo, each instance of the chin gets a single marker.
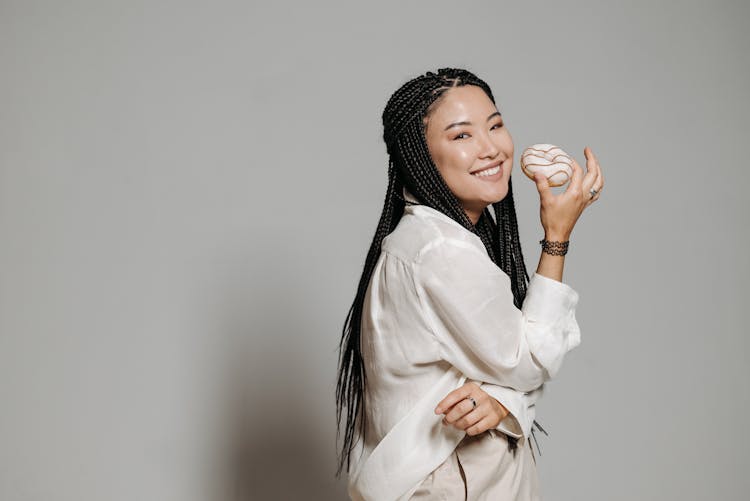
(500, 194)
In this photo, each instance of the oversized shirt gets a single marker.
(438, 312)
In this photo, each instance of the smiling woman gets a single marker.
(448, 343)
(474, 155)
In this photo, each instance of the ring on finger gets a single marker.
(473, 402)
(594, 191)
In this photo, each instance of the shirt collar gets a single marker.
(408, 196)
(433, 212)
(423, 210)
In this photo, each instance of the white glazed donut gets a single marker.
(554, 163)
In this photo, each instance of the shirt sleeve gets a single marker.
(521, 408)
(468, 300)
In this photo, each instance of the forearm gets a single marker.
(551, 266)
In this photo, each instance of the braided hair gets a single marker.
(410, 165)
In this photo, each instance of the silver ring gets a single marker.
(474, 402)
(593, 192)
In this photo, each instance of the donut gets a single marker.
(554, 163)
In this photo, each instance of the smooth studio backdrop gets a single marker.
(188, 191)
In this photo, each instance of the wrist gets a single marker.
(556, 236)
(555, 247)
(502, 411)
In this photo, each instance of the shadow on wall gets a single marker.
(281, 415)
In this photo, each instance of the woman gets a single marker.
(448, 343)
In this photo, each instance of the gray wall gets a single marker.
(188, 191)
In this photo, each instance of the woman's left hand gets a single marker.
(460, 412)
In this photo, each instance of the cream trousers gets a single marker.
(482, 468)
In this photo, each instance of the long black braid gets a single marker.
(410, 164)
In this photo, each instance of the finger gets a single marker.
(592, 199)
(466, 405)
(592, 172)
(480, 427)
(454, 397)
(598, 167)
(542, 184)
(600, 180)
(577, 178)
(591, 182)
(460, 410)
(598, 184)
(469, 417)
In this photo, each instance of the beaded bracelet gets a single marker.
(555, 248)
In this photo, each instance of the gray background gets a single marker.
(188, 191)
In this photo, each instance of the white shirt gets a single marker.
(438, 312)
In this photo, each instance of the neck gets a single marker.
(474, 214)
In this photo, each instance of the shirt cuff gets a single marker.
(549, 309)
(520, 416)
(548, 300)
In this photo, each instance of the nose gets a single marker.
(488, 148)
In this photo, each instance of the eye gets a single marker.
(459, 136)
(498, 125)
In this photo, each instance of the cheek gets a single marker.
(458, 160)
(451, 163)
(506, 142)
(464, 157)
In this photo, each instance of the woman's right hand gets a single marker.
(559, 213)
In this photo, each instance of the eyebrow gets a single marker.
(456, 124)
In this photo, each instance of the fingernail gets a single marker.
(437, 410)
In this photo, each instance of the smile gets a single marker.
(492, 172)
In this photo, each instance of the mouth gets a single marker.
(491, 172)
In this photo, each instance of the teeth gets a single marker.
(488, 172)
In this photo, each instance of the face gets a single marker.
(467, 140)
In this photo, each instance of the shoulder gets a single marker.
(423, 229)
